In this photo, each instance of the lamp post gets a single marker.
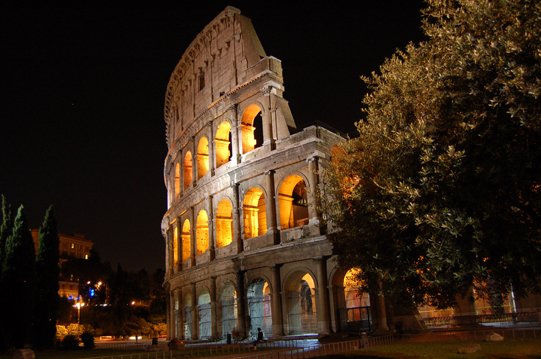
(78, 305)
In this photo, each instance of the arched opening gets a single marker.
(202, 157)
(204, 315)
(228, 302)
(188, 319)
(301, 304)
(186, 241)
(252, 128)
(224, 223)
(259, 308)
(177, 180)
(175, 247)
(176, 315)
(352, 303)
(223, 143)
(187, 170)
(202, 232)
(255, 215)
(293, 202)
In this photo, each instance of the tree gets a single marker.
(47, 274)
(5, 230)
(444, 180)
(18, 271)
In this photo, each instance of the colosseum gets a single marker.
(245, 248)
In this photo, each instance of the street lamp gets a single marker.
(78, 305)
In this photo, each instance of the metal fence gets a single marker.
(295, 348)
(462, 320)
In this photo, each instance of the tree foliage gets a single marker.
(47, 275)
(444, 181)
(18, 272)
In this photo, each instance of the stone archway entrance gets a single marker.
(204, 315)
(352, 304)
(187, 308)
(259, 308)
(228, 302)
(301, 304)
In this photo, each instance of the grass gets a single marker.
(527, 348)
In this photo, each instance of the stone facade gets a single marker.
(244, 245)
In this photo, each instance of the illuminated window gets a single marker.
(254, 211)
(175, 247)
(224, 223)
(187, 170)
(292, 202)
(186, 240)
(72, 245)
(202, 157)
(223, 144)
(177, 179)
(252, 128)
(86, 256)
(202, 232)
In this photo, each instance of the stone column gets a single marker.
(212, 245)
(322, 308)
(313, 207)
(241, 305)
(182, 173)
(195, 314)
(194, 162)
(268, 130)
(237, 219)
(192, 236)
(180, 334)
(213, 307)
(277, 320)
(171, 315)
(212, 157)
(235, 143)
(270, 204)
(170, 248)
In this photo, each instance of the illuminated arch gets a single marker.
(300, 290)
(293, 202)
(202, 157)
(259, 307)
(228, 302)
(224, 223)
(188, 170)
(202, 232)
(188, 303)
(254, 211)
(223, 143)
(204, 313)
(175, 247)
(177, 179)
(186, 240)
(251, 128)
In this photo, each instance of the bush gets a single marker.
(70, 342)
(88, 340)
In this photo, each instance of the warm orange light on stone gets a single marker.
(222, 142)
(177, 179)
(175, 246)
(202, 232)
(254, 211)
(188, 170)
(186, 240)
(247, 128)
(202, 157)
(292, 202)
(224, 223)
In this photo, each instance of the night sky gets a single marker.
(83, 89)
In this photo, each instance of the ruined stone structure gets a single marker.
(244, 245)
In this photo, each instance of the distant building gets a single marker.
(70, 246)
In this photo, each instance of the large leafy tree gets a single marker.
(443, 183)
(18, 272)
(47, 273)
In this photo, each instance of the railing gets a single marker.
(275, 349)
(465, 320)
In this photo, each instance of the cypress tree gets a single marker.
(47, 273)
(5, 230)
(18, 278)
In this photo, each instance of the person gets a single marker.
(259, 337)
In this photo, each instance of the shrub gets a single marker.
(70, 342)
(88, 340)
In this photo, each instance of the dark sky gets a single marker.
(81, 110)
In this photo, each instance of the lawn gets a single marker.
(528, 348)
